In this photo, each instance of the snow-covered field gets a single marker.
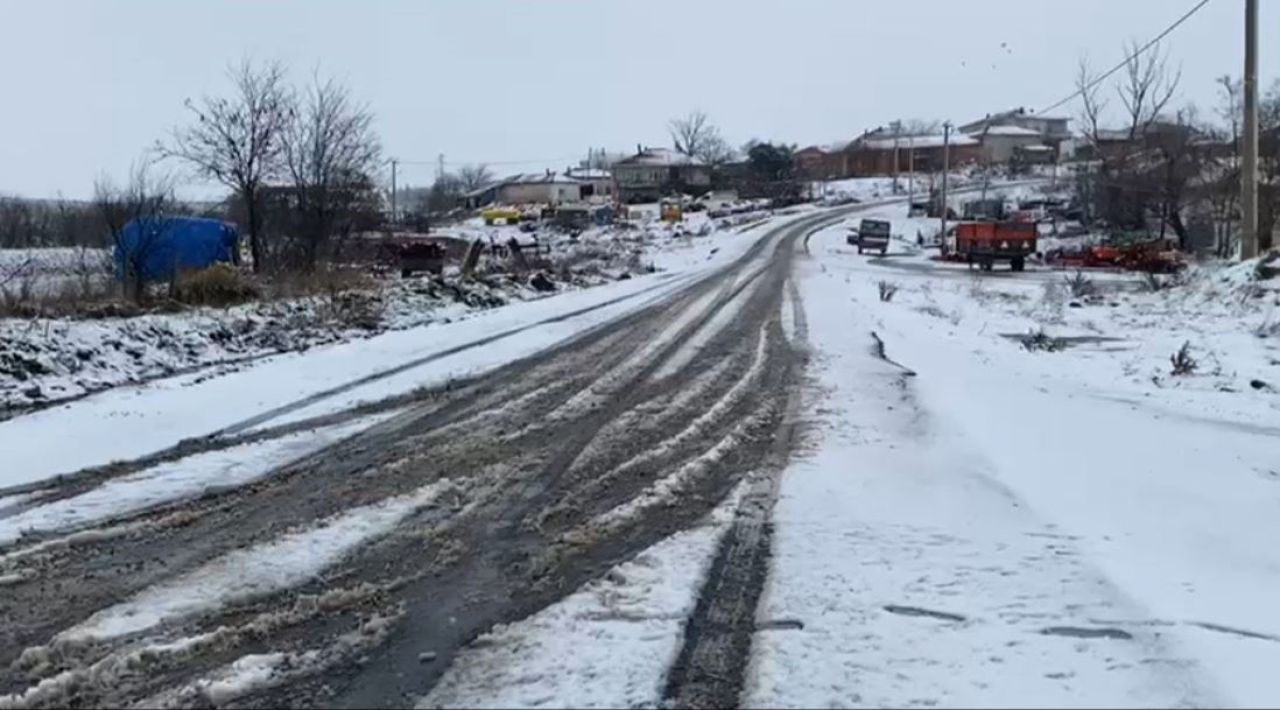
(981, 523)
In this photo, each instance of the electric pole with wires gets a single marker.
(1249, 144)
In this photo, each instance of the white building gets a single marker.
(542, 188)
(1001, 143)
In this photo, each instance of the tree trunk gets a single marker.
(250, 198)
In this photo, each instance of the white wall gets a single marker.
(540, 192)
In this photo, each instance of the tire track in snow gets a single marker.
(284, 562)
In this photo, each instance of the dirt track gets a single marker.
(551, 464)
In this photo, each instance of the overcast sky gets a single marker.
(90, 84)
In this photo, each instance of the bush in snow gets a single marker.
(887, 290)
(218, 285)
(1081, 285)
(1038, 340)
(1183, 363)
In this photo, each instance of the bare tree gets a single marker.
(137, 217)
(474, 177)
(1268, 166)
(239, 141)
(330, 150)
(1147, 88)
(694, 136)
(1092, 104)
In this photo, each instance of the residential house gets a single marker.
(875, 153)
(596, 184)
(654, 172)
(1053, 130)
(1002, 143)
(1123, 141)
(547, 187)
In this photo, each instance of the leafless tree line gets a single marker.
(299, 164)
(1167, 167)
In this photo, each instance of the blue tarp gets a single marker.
(160, 246)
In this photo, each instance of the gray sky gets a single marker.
(92, 83)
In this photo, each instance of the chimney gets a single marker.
(639, 149)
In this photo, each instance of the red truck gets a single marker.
(984, 243)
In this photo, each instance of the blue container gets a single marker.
(160, 247)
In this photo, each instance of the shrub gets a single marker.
(1040, 341)
(887, 290)
(1183, 363)
(1081, 285)
(217, 285)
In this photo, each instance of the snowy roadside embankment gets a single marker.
(1053, 519)
(47, 360)
(128, 422)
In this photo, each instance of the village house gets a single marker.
(548, 188)
(595, 184)
(653, 173)
(1049, 131)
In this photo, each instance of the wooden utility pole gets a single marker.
(393, 192)
(911, 172)
(946, 167)
(1249, 144)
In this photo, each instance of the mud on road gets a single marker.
(542, 475)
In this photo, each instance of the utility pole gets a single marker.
(897, 131)
(440, 166)
(946, 167)
(394, 213)
(911, 173)
(1249, 163)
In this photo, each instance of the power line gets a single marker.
(491, 162)
(1128, 59)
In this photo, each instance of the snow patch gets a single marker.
(284, 562)
(177, 480)
(608, 645)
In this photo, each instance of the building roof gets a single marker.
(589, 174)
(538, 179)
(1018, 131)
(659, 157)
(996, 118)
(904, 142)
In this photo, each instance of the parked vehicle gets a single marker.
(873, 234)
(984, 243)
(508, 215)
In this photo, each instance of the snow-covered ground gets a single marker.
(1011, 526)
(608, 645)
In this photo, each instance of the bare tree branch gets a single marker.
(239, 141)
(1147, 88)
(147, 202)
(329, 151)
(474, 177)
